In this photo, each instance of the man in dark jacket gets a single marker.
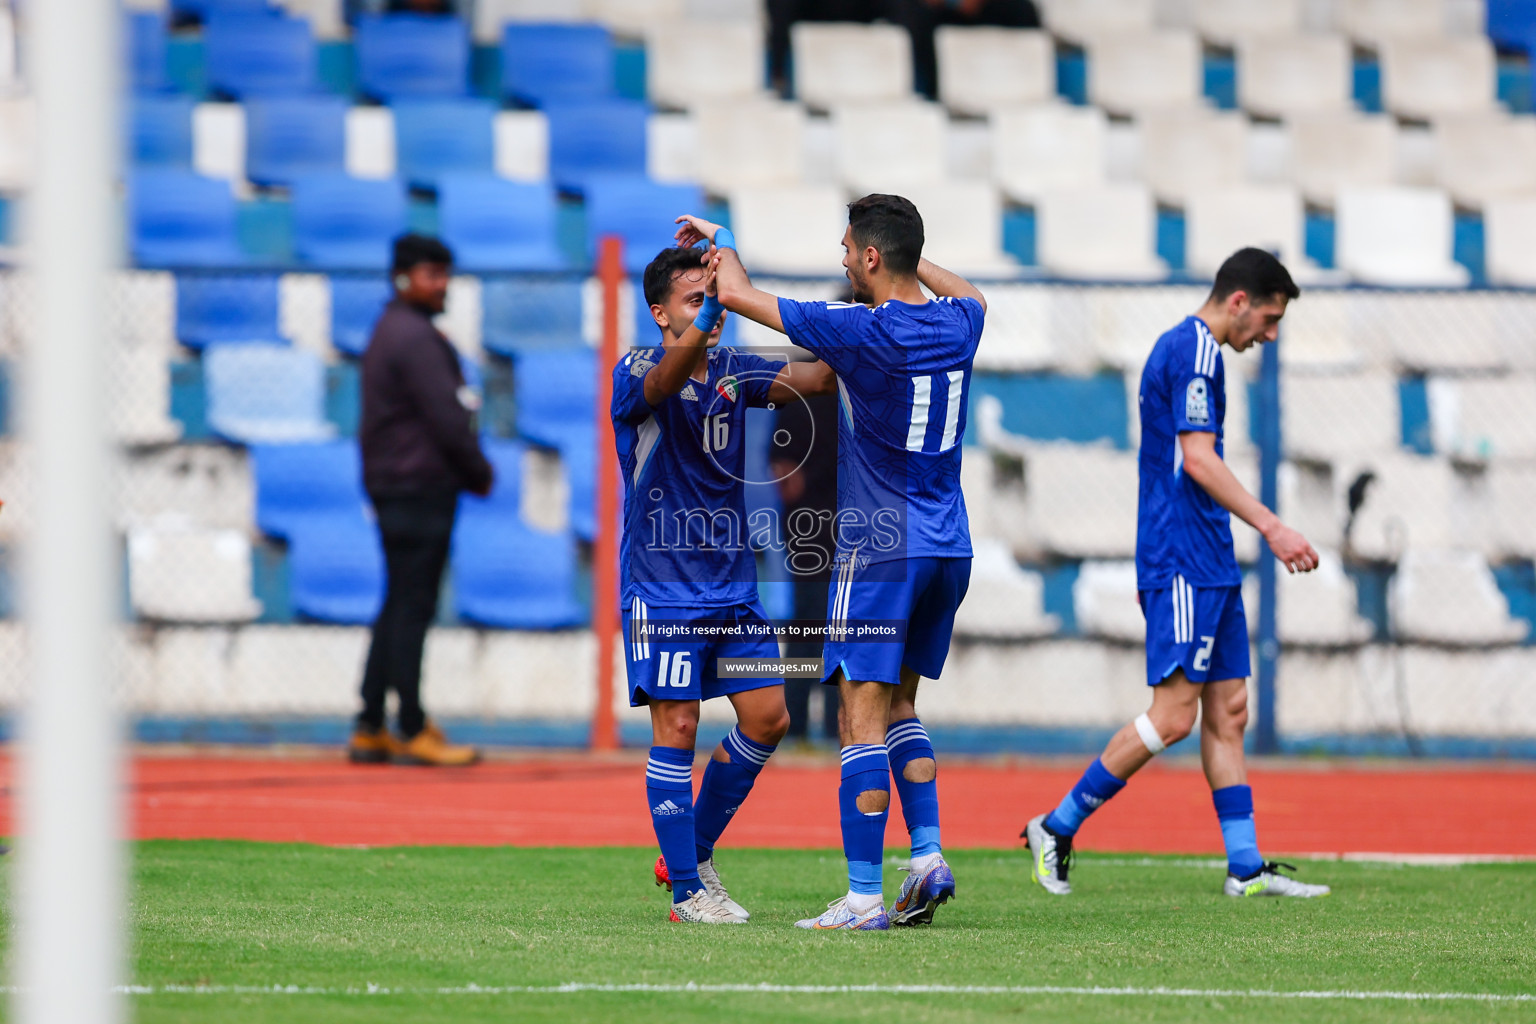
(420, 450)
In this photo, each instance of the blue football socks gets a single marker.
(726, 784)
(1096, 786)
(866, 768)
(907, 741)
(669, 791)
(1234, 809)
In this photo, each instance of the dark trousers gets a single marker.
(810, 606)
(919, 17)
(416, 530)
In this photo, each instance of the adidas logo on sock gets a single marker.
(1092, 801)
(732, 810)
(666, 808)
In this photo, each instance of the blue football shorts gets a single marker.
(682, 666)
(911, 600)
(1202, 630)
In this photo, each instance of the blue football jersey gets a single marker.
(685, 523)
(903, 375)
(1180, 529)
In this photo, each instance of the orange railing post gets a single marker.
(605, 546)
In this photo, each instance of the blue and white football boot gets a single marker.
(839, 918)
(922, 892)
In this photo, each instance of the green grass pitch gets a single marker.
(231, 914)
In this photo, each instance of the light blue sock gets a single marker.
(1234, 809)
(1096, 786)
(726, 784)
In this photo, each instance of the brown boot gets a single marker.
(371, 746)
(431, 747)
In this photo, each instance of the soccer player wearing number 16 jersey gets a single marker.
(1189, 581)
(903, 558)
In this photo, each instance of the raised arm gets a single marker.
(736, 291)
(1206, 468)
(799, 380)
(680, 356)
(947, 283)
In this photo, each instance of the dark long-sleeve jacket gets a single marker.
(418, 423)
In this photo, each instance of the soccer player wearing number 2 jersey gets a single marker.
(689, 580)
(1189, 581)
(903, 559)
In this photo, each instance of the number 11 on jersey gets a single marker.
(922, 397)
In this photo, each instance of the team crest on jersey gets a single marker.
(640, 367)
(689, 394)
(1197, 403)
(728, 388)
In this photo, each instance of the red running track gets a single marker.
(590, 801)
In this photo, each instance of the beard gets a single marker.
(860, 289)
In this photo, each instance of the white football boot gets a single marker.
(711, 879)
(1050, 857)
(1268, 881)
(702, 908)
(838, 917)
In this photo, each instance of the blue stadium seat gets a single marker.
(555, 391)
(258, 55)
(336, 570)
(434, 138)
(1512, 24)
(160, 131)
(356, 303)
(579, 457)
(145, 36)
(343, 223)
(506, 459)
(540, 63)
(639, 211)
(412, 55)
(265, 394)
(287, 138)
(202, 9)
(226, 308)
(181, 219)
(524, 314)
(595, 138)
(297, 483)
(494, 224)
(508, 575)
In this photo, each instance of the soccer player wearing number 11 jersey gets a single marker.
(903, 559)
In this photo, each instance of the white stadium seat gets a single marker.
(1511, 497)
(672, 71)
(1186, 152)
(672, 148)
(889, 146)
(1290, 74)
(492, 15)
(840, 63)
(752, 143)
(1326, 417)
(218, 140)
(1333, 151)
(1109, 232)
(1236, 21)
(1105, 601)
(1435, 77)
(1410, 330)
(632, 18)
(1397, 236)
(326, 17)
(1320, 607)
(1122, 323)
(370, 149)
(1412, 502)
(18, 140)
(1483, 157)
(1019, 335)
(1218, 222)
(521, 145)
(790, 229)
(981, 69)
(1509, 241)
(1004, 602)
(1484, 417)
(1133, 72)
(191, 575)
(140, 404)
(1082, 20)
(963, 227)
(1049, 146)
(1081, 500)
(1373, 21)
(206, 486)
(1449, 597)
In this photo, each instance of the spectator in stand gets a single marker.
(421, 448)
(921, 18)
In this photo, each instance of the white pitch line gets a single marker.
(577, 988)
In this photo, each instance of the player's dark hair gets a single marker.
(411, 249)
(661, 270)
(1256, 272)
(892, 226)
